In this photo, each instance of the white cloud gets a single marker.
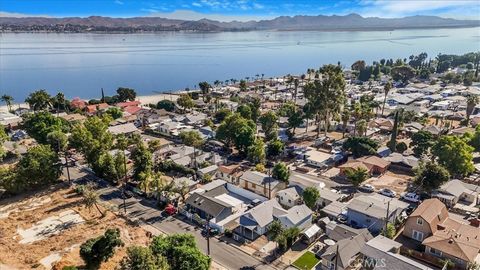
(397, 8)
(118, 2)
(196, 4)
(21, 15)
(192, 15)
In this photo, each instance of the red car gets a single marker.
(170, 210)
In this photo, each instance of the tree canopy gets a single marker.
(256, 152)
(422, 141)
(454, 154)
(310, 196)
(185, 101)
(430, 176)
(97, 250)
(281, 172)
(124, 94)
(39, 100)
(361, 146)
(40, 124)
(166, 104)
(180, 251)
(356, 176)
(238, 131)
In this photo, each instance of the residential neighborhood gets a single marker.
(381, 174)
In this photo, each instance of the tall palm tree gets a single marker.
(345, 118)
(386, 90)
(8, 101)
(472, 101)
(90, 199)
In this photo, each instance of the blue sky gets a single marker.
(239, 9)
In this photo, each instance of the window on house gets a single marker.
(417, 235)
(435, 252)
(419, 221)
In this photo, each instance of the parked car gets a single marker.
(212, 231)
(367, 188)
(411, 197)
(170, 210)
(410, 209)
(388, 192)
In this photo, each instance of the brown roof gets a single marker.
(353, 164)
(374, 161)
(456, 239)
(433, 211)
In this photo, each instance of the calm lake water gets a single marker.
(81, 64)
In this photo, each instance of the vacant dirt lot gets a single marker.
(395, 181)
(52, 238)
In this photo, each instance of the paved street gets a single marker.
(140, 209)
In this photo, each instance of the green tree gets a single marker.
(57, 140)
(222, 114)
(181, 252)
(401, 147)
(281, 172)
(142, 258)
(430, 176)
(97, 250)
(392, 144)
(192, 138)
(245, 111)
(93, 140)
(243, 85)
(421, 143)
(8, 101)
(275, 229)
(40, 124)
(38, 168)
(114, 112)
(327, 94)
(142, 161)
(361, 146)
(287, 109)
(269, 125)
(295, 120)
(356, 176)
(310, 196)
(472, 101)
(205, 88)
(454, 154)
(402, 73)
(124, 94)
(237, 130)
(255, 104)
(167, 105)
(256, 152)
(275, 148)
(185, 101)
(386, 89)
(391, 231)
(90, 198)
(39, 100)
(3, 139)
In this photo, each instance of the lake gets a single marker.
(81, 64)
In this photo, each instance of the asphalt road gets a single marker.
(144, 210)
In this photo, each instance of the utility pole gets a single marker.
(386, 219)
(336, 258)
(124, 182)
(66, 166)
(208, 235)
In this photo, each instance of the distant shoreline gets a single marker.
(352, 29)
(145, 100)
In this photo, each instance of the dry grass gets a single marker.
(26, 256)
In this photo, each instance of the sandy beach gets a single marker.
(154, 99)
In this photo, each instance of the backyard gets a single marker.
(307, 261)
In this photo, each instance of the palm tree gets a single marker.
(386, 89)
(472, 101)
(345, 118)
(90, 199)
(8, 101)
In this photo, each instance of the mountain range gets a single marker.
(300, 22)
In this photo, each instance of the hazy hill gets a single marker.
(300, 22)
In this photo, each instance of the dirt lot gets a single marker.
(395, 181)
(50, 215)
